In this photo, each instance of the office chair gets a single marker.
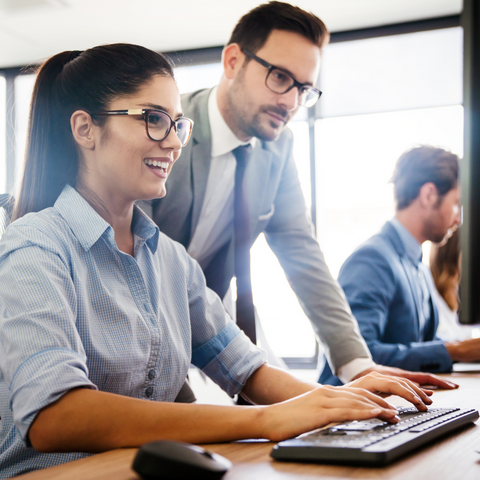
(6, 204)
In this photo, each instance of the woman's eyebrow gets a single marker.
(159, 107)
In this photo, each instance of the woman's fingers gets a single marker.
(420, 392)
(364, 393)
(358, 396)
(337, 414)
(348, 400)
(322, 406)
(349, 397)
(382, 384)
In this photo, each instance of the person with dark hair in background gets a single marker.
(222, 202)
(100, 313)
(445, 267)
(387, 285)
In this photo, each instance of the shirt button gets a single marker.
(151, 374)
(149, 392)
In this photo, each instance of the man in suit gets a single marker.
(387, 285)
(271, 64)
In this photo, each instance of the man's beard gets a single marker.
(239, 108)
(435, 235)
(267, 135)
(445, 238)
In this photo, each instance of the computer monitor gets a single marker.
(470, 167)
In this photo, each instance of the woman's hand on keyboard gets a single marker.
(385, 385)
(321, 406)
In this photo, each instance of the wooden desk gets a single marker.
(451, 458)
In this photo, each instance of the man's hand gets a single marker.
(418, 378)
(465, 351)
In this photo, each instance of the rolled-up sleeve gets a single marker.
(41, 354)
(219, 348)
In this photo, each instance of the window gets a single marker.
(387, 74)
(196, 77)
(286, 326)
(382, 96)
(23, 93)
(353, 192)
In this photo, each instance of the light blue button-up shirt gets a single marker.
(413, 251)
(75, 311)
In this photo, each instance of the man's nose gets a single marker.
(458, 215)
(289, 100)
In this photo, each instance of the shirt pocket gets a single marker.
(265, 217)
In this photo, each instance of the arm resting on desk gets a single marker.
(464, 351)
(94, 421)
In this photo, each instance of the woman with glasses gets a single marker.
(100, 313)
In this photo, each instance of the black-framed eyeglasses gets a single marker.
(158, 123)
(280, 81)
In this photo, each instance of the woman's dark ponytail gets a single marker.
(70, 81)
(43, 178)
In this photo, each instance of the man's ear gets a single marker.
(82, 129)
(428, 195)
(233, 59)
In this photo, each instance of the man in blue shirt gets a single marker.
(386, 283)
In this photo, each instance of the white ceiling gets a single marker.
(31, 30)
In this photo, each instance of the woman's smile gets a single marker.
(159, 166)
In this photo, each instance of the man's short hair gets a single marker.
(254, 28)
(422, 165)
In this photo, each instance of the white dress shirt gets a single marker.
(215, 225)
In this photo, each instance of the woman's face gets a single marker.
(120, 168)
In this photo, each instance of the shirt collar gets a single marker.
(412, 248)
(144, 227)
(223, 139)
(88, 226)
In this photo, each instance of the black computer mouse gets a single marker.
(164, 460)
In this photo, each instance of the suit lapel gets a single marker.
(431, 328)
(391, 233)
(408, 272)
(201, 155)
(201, 158)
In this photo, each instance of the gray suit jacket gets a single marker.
(277, 208)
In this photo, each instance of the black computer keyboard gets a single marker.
(374, 442)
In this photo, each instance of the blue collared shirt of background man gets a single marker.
(413, 251)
